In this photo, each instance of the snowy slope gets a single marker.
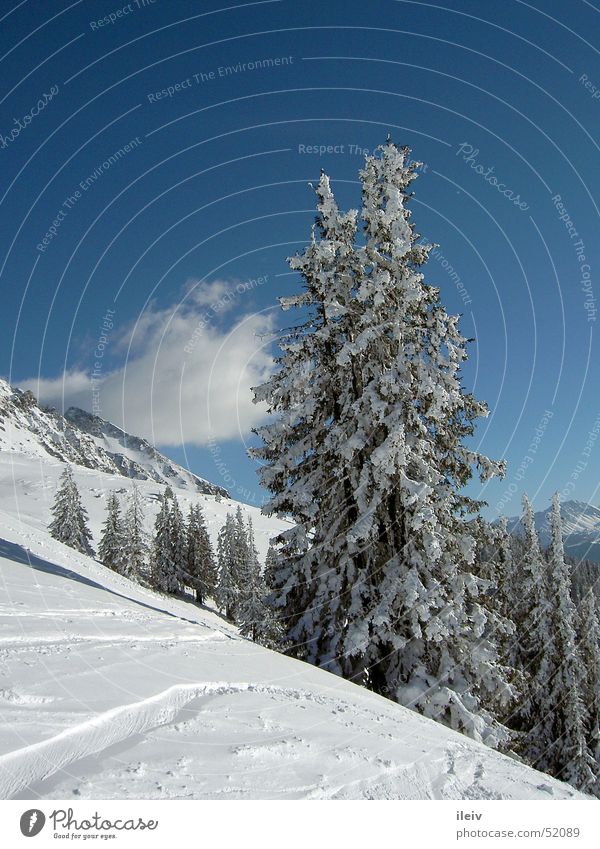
(86, 440)
(108, 690)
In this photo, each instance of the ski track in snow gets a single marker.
(21, 768)
(26, 643)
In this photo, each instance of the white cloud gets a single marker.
(72, 385)
(205, 294)
(185, 379)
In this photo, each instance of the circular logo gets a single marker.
(32, 822)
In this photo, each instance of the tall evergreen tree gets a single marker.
(200, 559)
(584, 575)
(564, 752)
(178, 543)
(534, 645)
(245, 552)
(252, 612)
(112, 541)
(589, 648)
(228, 560)
(250, 609)
(505, 586)
(69, 524)
(270, 570)
(235, 557)
(366, 453)
(507, 632)
(495, 567)
(164, 571)
(274, 636)
(135, 548)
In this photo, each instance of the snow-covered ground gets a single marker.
(108, 690)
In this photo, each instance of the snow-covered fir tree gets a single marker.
(200, 560)
(234, 554)
(255, 617)
(228, 562)
(135, 547)
(178, 543)
(559, 734)
(245, 547)
(534, 640)
(585, 578)
(589, 649)
(164, 570)
(69, 524)
(270, 569)
(110, 549)
(505, 577)
(365, 452)
(250, 584)
(506, 630)
(494, 565)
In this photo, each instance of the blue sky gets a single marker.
(163, 151)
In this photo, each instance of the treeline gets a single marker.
(178, 555)
(547, 648)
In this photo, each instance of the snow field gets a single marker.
(109, 690)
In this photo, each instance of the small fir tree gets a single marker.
(505, 580)
(270, 570)
(228, 560)
(200, 559)
(495, 571)
(164, 573)
(178, 544)
(534, 644)
(69, 524)
(112, 541)
(251, 606)
(245, 552)
(135, 548)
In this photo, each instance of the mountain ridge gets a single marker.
(581, 528)
(87, 440)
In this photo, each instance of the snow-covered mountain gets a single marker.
(581, 528)
(87, 440)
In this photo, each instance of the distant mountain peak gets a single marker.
(85, 439)
(581, 528)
